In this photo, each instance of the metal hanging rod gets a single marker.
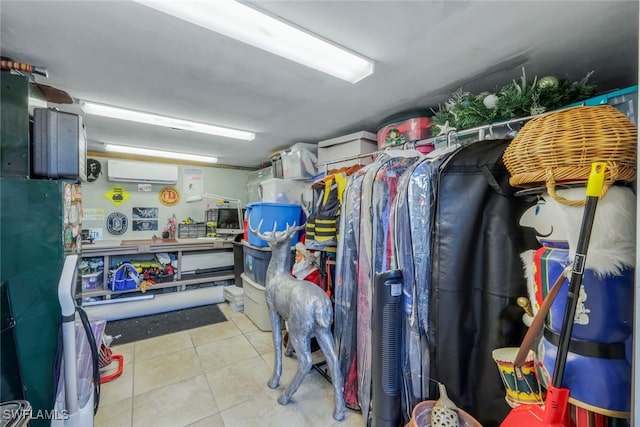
(346, 159)
(481, 131)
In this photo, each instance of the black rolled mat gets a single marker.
(154, 325)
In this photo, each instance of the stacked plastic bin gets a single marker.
(257, 254)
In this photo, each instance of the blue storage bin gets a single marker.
(269, 213)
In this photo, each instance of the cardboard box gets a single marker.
(346, 146)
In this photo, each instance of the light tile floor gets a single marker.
(212, 376)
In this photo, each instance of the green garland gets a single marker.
(517, 99)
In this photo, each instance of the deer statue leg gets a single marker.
(301, 344)
(276, 334)
(325, 339)
(289, 350)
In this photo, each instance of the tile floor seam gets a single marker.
(168, 384)
(206, 377)
(200, 361)
(133, 383)
(166, 354)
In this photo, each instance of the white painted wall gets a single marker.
(223, 182)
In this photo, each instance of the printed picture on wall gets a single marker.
(144, 213)
(193, 183)
(145, 224)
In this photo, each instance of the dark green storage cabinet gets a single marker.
(10, 381)
(14, 125)
(33, 250)
(39, 225)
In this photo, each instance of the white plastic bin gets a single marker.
(284, 190)
(255, 303)
(300, 161)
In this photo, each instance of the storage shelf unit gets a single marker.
(115, 251)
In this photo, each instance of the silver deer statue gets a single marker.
(308, 312)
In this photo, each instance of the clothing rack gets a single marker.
(480, 131)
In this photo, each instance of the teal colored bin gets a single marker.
(269, 213)
(625, 100)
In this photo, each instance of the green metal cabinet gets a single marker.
(38, 217)
(14, 125)
(39, 225)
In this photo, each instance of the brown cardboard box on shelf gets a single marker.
(346, 146)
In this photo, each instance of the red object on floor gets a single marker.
(117, 373)
(105, 358)
(554, 414)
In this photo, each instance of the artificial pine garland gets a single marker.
(517, 99)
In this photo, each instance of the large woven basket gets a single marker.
(560, 146)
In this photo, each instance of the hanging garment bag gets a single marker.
(378, 239)
(413, 212)
(476, 277)
(345, 290)
(410, 346)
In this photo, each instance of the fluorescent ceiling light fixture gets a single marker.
(169, 122)
(38, 103)
(253, 27)
(158, 153)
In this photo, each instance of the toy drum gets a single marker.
(522, 384)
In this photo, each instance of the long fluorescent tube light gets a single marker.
(169, 122)
(253, 27)
(157, 153)
(36, 102)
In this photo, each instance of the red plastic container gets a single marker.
(402, 128)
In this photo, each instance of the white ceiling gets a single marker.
(123, 53)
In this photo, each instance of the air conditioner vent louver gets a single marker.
(145, 172)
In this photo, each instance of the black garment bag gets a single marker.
(477, 275)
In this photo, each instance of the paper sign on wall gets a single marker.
(193, 183)
(93, 214)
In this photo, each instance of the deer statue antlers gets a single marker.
(274, 237)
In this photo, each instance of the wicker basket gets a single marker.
(559, 147)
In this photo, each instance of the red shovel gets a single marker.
(555, 412)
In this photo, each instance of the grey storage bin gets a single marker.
(256, 261)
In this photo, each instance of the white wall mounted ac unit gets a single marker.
(154, 173)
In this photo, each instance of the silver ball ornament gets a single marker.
(548, 82)
(490, 101)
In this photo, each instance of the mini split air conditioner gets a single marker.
(154, 173)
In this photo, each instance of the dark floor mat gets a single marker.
(154, 325)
